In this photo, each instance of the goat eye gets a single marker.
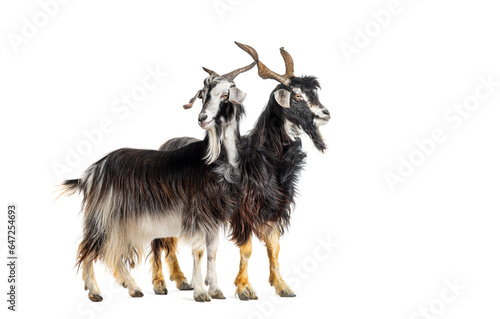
(225, 96)
(298, 96)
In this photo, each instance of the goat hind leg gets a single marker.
(123, 276)
(173, 264)
(88, 277)
(272, 241)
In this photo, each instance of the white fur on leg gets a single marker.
(126, 279)
(211, 280)
(90, 283)
(200, 294)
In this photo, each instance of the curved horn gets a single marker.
(210, 71)
(264, 71)
(231, 75)
(288, 62)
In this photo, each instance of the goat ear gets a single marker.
(236, 96)
(193, 99)
(283, 98)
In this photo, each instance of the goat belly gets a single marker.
(167, 225)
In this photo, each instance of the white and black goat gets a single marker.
(270, 162)
(132, 196)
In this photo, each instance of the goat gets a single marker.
(132, 196)
(270, 161)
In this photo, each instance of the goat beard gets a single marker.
(315, 135)
(322, 149)
(214, 144)
(312, 130)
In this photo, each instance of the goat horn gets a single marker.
(288, 62)
(210, 71)
(231, 75)
(264, 71)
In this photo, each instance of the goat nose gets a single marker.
(326, 112)
(202, 117)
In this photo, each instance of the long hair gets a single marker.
(270, 163)
(129, 191)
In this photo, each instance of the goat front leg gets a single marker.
(244, 289)
(211, 279)
(159, 285)
(200, 294)
(272, 240)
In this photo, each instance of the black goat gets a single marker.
(270, 161)
(132, 196)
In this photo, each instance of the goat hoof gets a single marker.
(95, 297)
(282, 289)
(136, 294)
(160, 288)
(184, 285)
(243, 296)
(217, 294)
(247, 293)
(285, 292)
(201, 297)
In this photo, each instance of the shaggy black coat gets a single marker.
(270, 165)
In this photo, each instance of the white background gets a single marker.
(396, 248)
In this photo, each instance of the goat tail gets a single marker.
(70, 187)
